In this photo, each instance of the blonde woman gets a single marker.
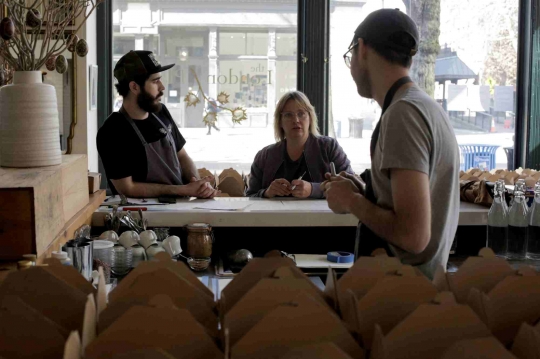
(299, 151)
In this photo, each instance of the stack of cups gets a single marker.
(122, 260)
(103, 250)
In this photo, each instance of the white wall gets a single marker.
(84, 141)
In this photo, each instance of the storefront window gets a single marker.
(248, 55)
(473, 67)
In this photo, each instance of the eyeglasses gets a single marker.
(290, 116)
(348, 55)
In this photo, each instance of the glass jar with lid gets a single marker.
(200, 239)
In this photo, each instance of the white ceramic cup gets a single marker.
(128, 239)
(147, 238)
(171, 245)
(139, 255)
(109, 236)
(153, 250)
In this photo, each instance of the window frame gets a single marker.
(313, 68)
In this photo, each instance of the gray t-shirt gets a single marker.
(416, 135)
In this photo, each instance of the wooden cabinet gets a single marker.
(36, 204)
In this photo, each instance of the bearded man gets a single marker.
(140, 146)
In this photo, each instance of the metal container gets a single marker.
(81, 254)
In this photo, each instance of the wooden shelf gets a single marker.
(84, 216)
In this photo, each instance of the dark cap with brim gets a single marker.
(137, 63)
(382, 26)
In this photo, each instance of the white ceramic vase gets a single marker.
(29, 126)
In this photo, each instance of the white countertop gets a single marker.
(259, 212)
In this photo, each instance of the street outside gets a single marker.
(236, 147)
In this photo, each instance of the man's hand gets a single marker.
(340, 193)
(200, 188)
(302, 189)
(279, 187)
(358, 183)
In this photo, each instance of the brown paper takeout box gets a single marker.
(303, 321)
(25, 332)
(262, 298)
(429, 331)
(43, 306)
(50, 295)
(162, 281)
(203, 172)
(482, 272)
(482, 348)
(326, 350)
(253, 272)
(162, 276)
(161, 260)
(389, 302)
(360, 278)
(153, 353)
(231, 183)
(513, 301)
(527, 342)
(160, 325)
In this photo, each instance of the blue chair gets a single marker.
(478, 156)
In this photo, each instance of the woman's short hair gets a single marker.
(302, 101)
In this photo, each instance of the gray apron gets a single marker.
(161, 156)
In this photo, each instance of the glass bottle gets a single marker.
(533, 235)
(518, 224)
(497, 229)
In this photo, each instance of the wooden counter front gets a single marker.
(36, 203)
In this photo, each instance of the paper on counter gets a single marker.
(319, 205)
(223, 205)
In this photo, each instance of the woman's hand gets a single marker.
(302, 189)
(279, 187)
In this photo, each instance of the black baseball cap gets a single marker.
(382, 26)
(137, 63)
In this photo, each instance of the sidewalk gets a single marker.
(236, 147)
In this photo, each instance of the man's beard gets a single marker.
(148, 102)
(364, 84)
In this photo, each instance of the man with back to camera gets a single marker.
(141, 147)
(409, 202)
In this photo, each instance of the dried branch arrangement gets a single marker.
(48, 22)
(239, 114)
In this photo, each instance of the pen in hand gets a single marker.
(293, 187)
(333, 169)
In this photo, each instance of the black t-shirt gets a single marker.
(121, 150)
(291, 170)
